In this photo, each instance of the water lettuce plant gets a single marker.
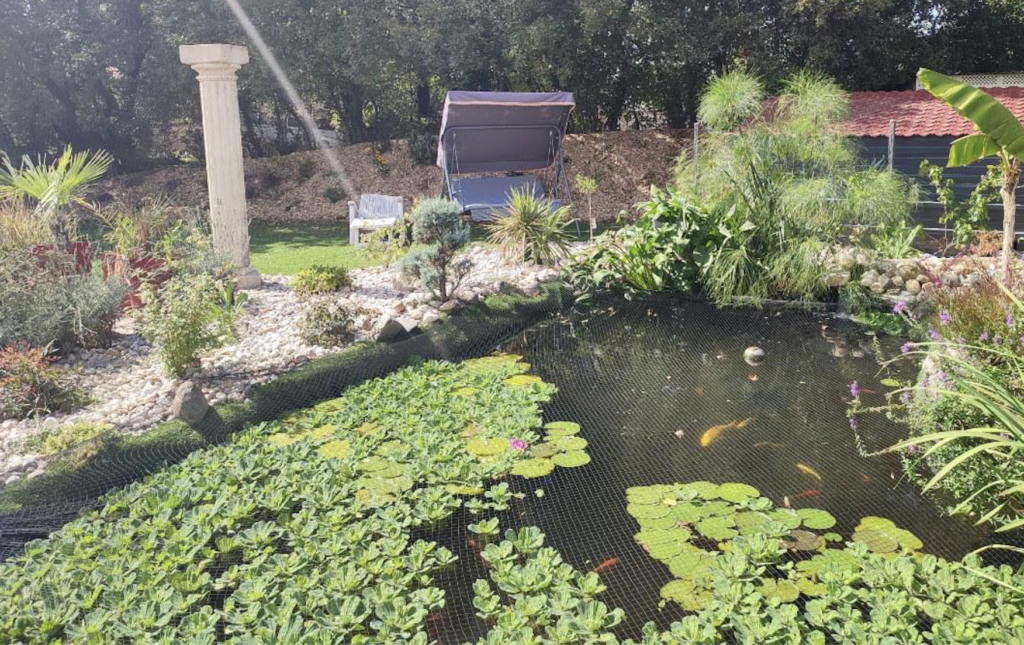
(747, 572)
(305, 530)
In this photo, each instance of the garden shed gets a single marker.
(904, 128)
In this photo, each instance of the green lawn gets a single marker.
(287, 248)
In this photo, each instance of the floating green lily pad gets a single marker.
(665, 550)
(534, 467)
(523, 380)
(486, 447)
(718, 507)
(667, 522)
(545, 449)
(561, 428)
(688, 513)
(829, 558)
(337, 449)
(809, 587)
(691, 565)
(330, 405)
(737, 493)
(786, 517)
(465, 392)
(781, 590)
(644, 511)
(816, 519)
(750, 522)
(321, 433)
(877, 540)
(890, 382)
(644, 495)
(571, 459)
(873, 522)
(703, 489)
(908, 541)
(717, 528)
(469, 431)
(678, 590)
(570, 443)
(799, 540)
(651, 537)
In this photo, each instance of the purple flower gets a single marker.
(901, 305)
(853, 421)
(942, 379)
(984, 336)
(944, 317)
(912, 449)
(905, 398)
(909, 346)
(855, 390)
(518, 444)
(934, 335)
(1009, 320)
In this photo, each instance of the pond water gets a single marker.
(646, 381)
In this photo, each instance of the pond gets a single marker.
(663, 394)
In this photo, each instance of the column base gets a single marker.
(247, 278)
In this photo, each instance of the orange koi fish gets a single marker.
(712, 433)
(604, 566)
(810, 472)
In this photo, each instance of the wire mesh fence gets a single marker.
(662, 389)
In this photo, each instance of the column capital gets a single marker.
(225, 57)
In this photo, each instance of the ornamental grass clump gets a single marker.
(791, 177)
(530, 229)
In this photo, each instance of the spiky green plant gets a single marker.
(54, 186)
(531, 229)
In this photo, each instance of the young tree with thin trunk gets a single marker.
(1000, 135)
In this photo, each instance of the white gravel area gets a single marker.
(131, 393)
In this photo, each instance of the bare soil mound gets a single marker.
(302, 187)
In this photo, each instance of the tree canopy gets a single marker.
(106, 74)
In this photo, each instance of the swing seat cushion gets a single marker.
(486, 197)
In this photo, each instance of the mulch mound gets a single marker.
(303, 187)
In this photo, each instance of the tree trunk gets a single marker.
(1009, 193)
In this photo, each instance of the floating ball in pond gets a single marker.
(753, 355)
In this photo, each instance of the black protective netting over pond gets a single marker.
(663, 394)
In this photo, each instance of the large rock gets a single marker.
(392, 329)
(189, 405)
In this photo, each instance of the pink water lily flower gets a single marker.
(518, 444)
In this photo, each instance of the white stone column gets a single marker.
(216, 67)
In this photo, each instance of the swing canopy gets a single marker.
(502, 132)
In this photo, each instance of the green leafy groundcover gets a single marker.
(301, 532)
(740, 566)
(298, 531)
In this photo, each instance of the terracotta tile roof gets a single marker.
(917, 113)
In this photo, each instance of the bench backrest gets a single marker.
(380, 206)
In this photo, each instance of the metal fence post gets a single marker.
(892, 142)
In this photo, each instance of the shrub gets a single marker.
(31, 385)
(325, 323)
(437, 225)
(43, 307)
(970, 216)
(668, 248)
(530, 229)
(320, 279)
(792, 178)
(306, 168)
(69, 435)
(423, 145)
(21, 227)
(181, 322)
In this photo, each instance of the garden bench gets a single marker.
(374, 212)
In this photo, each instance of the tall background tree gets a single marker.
(105, 74)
